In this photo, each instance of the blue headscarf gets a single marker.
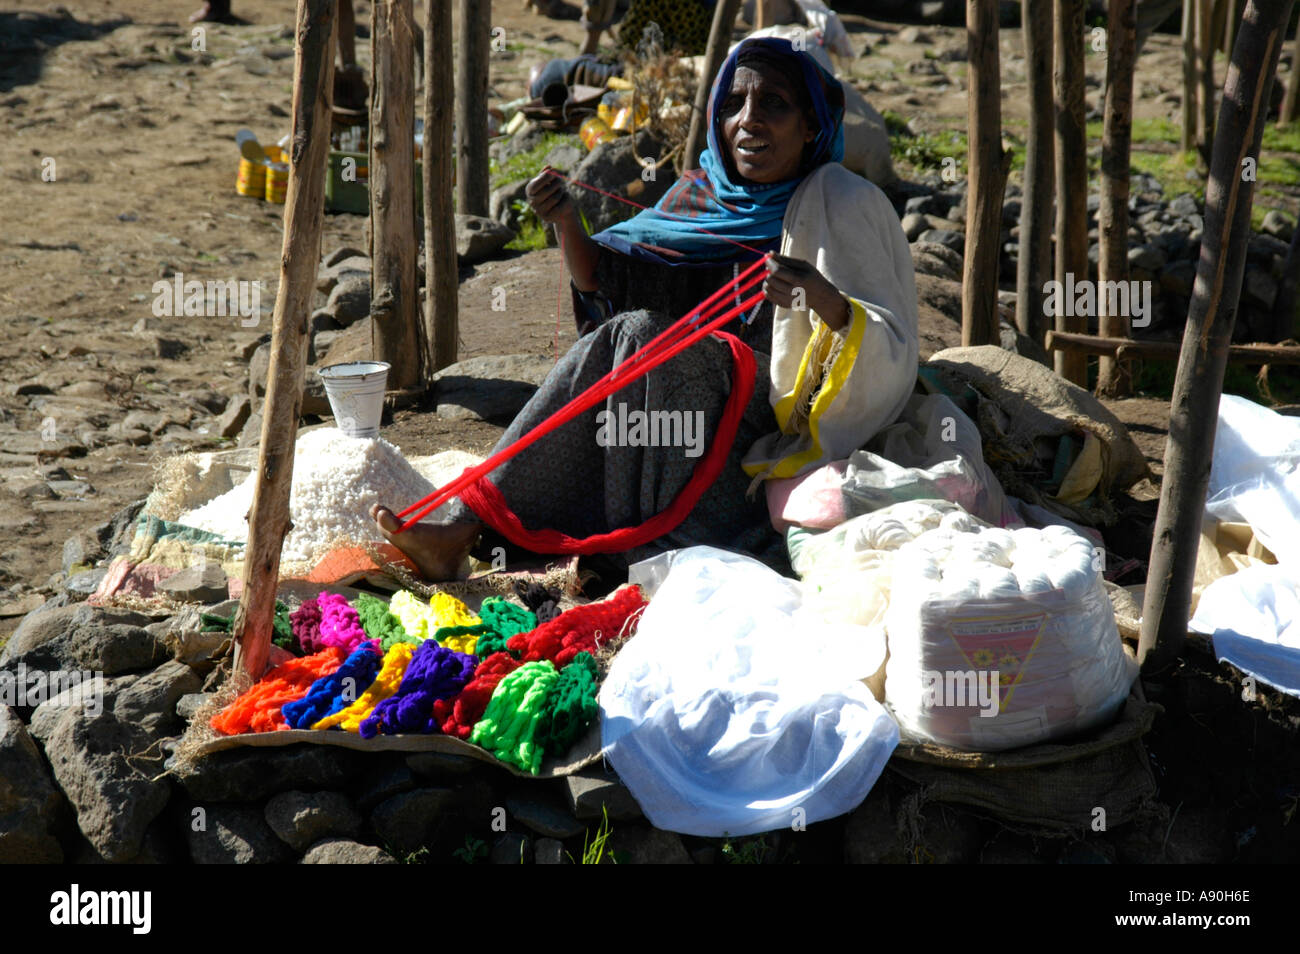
(711, 198)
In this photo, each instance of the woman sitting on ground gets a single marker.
(837, 329)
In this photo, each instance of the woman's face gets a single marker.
(764, 128)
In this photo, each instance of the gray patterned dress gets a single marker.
(571, 483)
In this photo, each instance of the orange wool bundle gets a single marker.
(258, 709)
(579, 630)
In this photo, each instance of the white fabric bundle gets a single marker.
(731, 712)
(1001, 638)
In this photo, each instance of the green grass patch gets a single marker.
(1284, 139)
(525, 165)
(532, 233)
(925, 152)
(1176, 171)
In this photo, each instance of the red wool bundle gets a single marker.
(457, 716)
(581, 629)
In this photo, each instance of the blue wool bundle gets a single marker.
(340, 688)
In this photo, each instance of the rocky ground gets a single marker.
(120, 160)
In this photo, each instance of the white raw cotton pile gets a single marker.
(336, 480)
(1025, 604)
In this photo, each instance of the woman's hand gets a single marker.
(549, 198)
(792, 282)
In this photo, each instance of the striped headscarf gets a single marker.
(709, 210)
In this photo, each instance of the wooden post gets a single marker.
(1188, 140)
(441, 280)
(1112, 217)
(347, 34)
(1194, 407)
(1291, 104)
(762, 15)
(1071, 174)
(979, 291)
(724, 18)
(1229, 26)
(304, 210)
(1034, 266)
(394, 297)
(472, 107)
(1205, 77)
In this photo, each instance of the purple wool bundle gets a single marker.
(435, 672)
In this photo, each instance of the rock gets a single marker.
(649, 846)
(548, 851)
(33, 441)
(501, 204)
(31, 807)
(251, 435)
(340, 851)
(115, 791)
(611, 166)
(81, 585)
(357, 266)
(871, 834)
(342, 254)
(383, 783)
(349, 302)
(191, 703)
(408, 821)
(441, 766)
(511, 848)
(1184, 205)
(197, 584)
(1276, 224)
(300, 818)
(931, 258)
(914, 223)
(940, 293)
(1260, 288)
(1178, 277)
(255, 774)
(479, 237)
(492, 388)
(592, 792)
(150, 702)
(913, 34)
(169, 348)
(259, 365)
(544, 815)
(232, 419)
(946, 237)
(1150, 258)
(234, 834)
(80, 637)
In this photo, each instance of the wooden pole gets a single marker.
(1257, 354)
(304, 210)
(1071, 174)
(347, 34)
(988, 172)
(1291, 104)
(1229, 26)
(1034, 265)
(1198, 384)
(1188, 140)
(724, 18)
(1205, 77)
(394, 298)
(472, 107)
(1112, 217)
(441, 280)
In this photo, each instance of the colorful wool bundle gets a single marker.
(580, 629)
(422, 620)
(505, 619)
(349, 719)
(305, 621)
(340, 688)
(379, 623)
(339, 623)
(258, 709)
(435, 672)
(463, 639)
(458, 715)
(509, 725)
(570, 707)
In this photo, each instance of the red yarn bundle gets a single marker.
(580, 629)
(457, 716)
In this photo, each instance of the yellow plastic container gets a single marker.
(277, 182)
(251, 180)
(594, 132)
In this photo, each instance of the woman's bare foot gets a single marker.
(436, 549)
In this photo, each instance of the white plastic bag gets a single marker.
(733, 712)
(1253, 616)
(1000, 639)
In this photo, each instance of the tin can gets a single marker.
(251, 180)
(277, 181)
(594, 132)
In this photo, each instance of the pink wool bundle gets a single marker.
(339, 623)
